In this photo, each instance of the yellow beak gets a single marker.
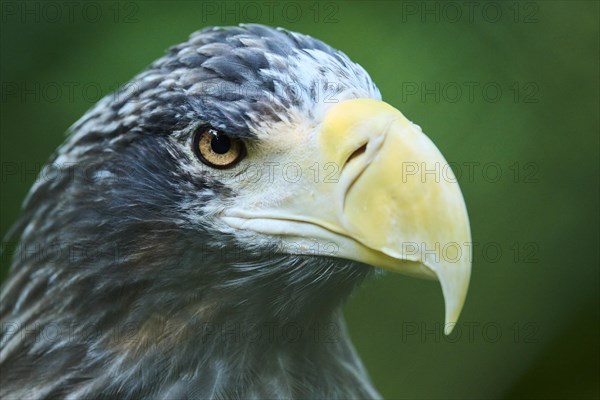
(394, 204)
(403, 202)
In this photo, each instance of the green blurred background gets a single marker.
(508, 91)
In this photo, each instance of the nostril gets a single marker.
(354, 172)
(361, 150)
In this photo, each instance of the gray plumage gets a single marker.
(125, 286)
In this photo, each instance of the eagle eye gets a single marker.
(216, 149)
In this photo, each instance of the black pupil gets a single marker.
(220, 144)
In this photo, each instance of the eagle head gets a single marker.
(250, 177)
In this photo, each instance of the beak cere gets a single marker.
(401, 200)
(395, 204)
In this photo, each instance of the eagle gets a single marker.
(199, 230)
